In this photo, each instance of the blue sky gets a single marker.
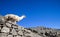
(38, 12)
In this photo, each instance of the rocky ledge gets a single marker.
(11, 29)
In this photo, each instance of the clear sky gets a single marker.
(38, 12)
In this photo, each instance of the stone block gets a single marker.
(10, 36)
(7, 24)
(20, 32)
(3, 35)
(14, 32)
(5, 30)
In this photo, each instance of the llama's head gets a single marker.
(14, 17)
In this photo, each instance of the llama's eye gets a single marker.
(11, 18)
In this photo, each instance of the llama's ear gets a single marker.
(23, 16)
(6, 17)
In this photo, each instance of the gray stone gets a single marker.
(5, 30)
(18, 36)
(28, 35)
(10, 36)
(15, 26)
(0, 28)
(14, 32)
(7, 24)
(20, 32)
(20, 28)
(23, 36)
(27, 31)
(3, 35)
(2, 20)
(36, 35)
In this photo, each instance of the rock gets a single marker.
(20, 32)
(27, 31)
(20, 28)
(15, 26)
(10, 36)
(14, 32)
(28, 35)
(36, 35)
(3, 35)
(7, 24)
(0, 28)
(2, 20)
(18, 36)
(5, 30)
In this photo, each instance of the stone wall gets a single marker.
(11, 29)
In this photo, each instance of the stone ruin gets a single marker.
(11, 29)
